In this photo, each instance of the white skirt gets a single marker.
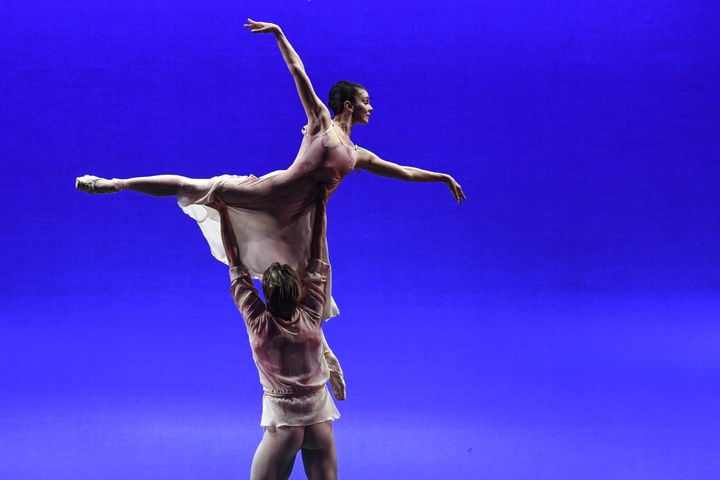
(310, 408)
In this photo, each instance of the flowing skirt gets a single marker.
(272, 227)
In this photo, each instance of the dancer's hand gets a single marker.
(455, 188)
(262, 27)
(337, 379)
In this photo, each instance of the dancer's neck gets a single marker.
(344, 123)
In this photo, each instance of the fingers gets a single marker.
(259, 30)
(460, 194)
(338, 386)
(252, 25)
(457, 192)
(258, 27)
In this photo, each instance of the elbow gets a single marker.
(408, 175)
(296, 68)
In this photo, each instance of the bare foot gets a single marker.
(93, 184)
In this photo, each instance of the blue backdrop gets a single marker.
(562, 323)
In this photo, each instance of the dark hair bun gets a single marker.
(342, 91)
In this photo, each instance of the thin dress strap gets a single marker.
(353, 147)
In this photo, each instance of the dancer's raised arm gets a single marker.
(313, 296)
(228, 239)
(374, 164)
(317, 113)
(241, 286)
(320, 225)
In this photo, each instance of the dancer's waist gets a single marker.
(292, 391)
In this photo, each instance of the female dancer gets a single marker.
(270, 215)
(286, 341)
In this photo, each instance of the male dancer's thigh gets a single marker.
(318, 452)
(276, 453)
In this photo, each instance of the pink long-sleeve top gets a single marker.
(287, 353)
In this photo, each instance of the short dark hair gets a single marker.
(342, 91)
(281, 288)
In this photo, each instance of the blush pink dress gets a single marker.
(272, 215)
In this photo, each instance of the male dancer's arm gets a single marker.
(313, 297)
(242, 288)
(314, 288)
(319, 231)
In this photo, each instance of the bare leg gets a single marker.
(318, 452)
(288, 470)
(276, 453)
(157, 185)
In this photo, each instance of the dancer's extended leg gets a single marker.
(157, 185)
(276, 453)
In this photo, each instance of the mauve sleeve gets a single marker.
(246, 297)
(313, 296)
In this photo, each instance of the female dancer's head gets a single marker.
(281, 288)
(350, 100)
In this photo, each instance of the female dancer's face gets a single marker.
(362, 108)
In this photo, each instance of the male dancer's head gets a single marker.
(281, 288)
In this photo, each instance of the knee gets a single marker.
(192, 185)
(186, 187)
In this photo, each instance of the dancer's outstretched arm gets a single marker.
(374, 164)
(317, 113)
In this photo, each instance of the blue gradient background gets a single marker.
(560, 324)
